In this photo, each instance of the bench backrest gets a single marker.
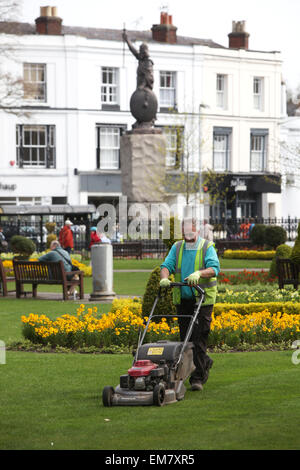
(39, 271)
(286, 269)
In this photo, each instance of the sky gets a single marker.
(273, 25)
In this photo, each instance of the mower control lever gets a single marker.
(185, 284)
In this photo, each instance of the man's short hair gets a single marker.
(190, 221)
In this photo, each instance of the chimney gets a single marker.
(165, 31)
(238, 39)
(48, 22)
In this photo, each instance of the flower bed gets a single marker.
(88, 328)
(232, 325)
(246, 277)
(260, 294)
(233, 329)
(248, 254)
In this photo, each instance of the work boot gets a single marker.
(208, 367)
(196, 386)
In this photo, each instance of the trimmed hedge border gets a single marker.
(291, 308)
(249, 254)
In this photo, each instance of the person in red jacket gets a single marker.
(66, 237)
(94, 237)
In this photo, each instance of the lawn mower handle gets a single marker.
(192, 321)
(185, 284)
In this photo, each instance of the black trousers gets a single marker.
(199, 336)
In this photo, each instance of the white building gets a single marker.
(77, 87)
(290, 163)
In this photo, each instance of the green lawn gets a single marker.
(225, 263)
(53, 401)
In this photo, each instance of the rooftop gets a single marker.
(17, 28)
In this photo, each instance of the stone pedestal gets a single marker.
(102, 267)
(143, 163)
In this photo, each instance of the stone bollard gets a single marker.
(102, 268)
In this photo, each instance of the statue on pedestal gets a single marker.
(143, 102)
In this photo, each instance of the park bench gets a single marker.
(127, 249)
(288, 272)
(36, 272)
(4, 279)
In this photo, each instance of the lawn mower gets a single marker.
(159, 369)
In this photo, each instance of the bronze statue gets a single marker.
(145, 68)
(143, 103)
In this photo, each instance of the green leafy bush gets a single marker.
(274, 236)
(22, 247)
(257, 234)
(295, 255)
(282, 251)
(170, 229)
(165, 305)
(50, 239)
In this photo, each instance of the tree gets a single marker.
(11, 84)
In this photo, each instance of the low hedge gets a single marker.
(290, 308)
(248, 254)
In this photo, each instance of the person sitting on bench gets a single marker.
(57, 253)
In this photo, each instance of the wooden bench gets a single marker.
(127, 249)
(288, 272)
(37, 272)
(4, 279)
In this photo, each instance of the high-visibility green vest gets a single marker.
(209, 285)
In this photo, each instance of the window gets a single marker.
(258, 153)
(167, 91)
(221, 148)
(35, 82)
(221, 86)
(109, 88)
(36, 146)
(108, 146)
(258, 93)
(174, 138)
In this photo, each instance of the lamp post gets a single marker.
(201, 200)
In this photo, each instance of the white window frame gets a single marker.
(36, 87)
(258, 93)
(108, 156)
(221, 91)
(258, 151)
(109, 86)
(35, 147)
(167, 89)
(171, 134)
(221, 149)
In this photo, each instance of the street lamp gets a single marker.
(201, 201)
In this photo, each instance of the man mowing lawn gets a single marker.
(195, 261)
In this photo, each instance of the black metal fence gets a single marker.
(236, 229)
(223, 229)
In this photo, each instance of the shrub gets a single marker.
(257, 234)
(165, 305)
(248, 254)
(274, 236)
(23, 247)
(50, 226)
(282, 251)
(171, 227)
(50, 239)
(290, 308)
(295, 255)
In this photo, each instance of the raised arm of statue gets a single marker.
(130, 45)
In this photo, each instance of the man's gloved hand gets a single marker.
(193, 278)
(165, 282)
